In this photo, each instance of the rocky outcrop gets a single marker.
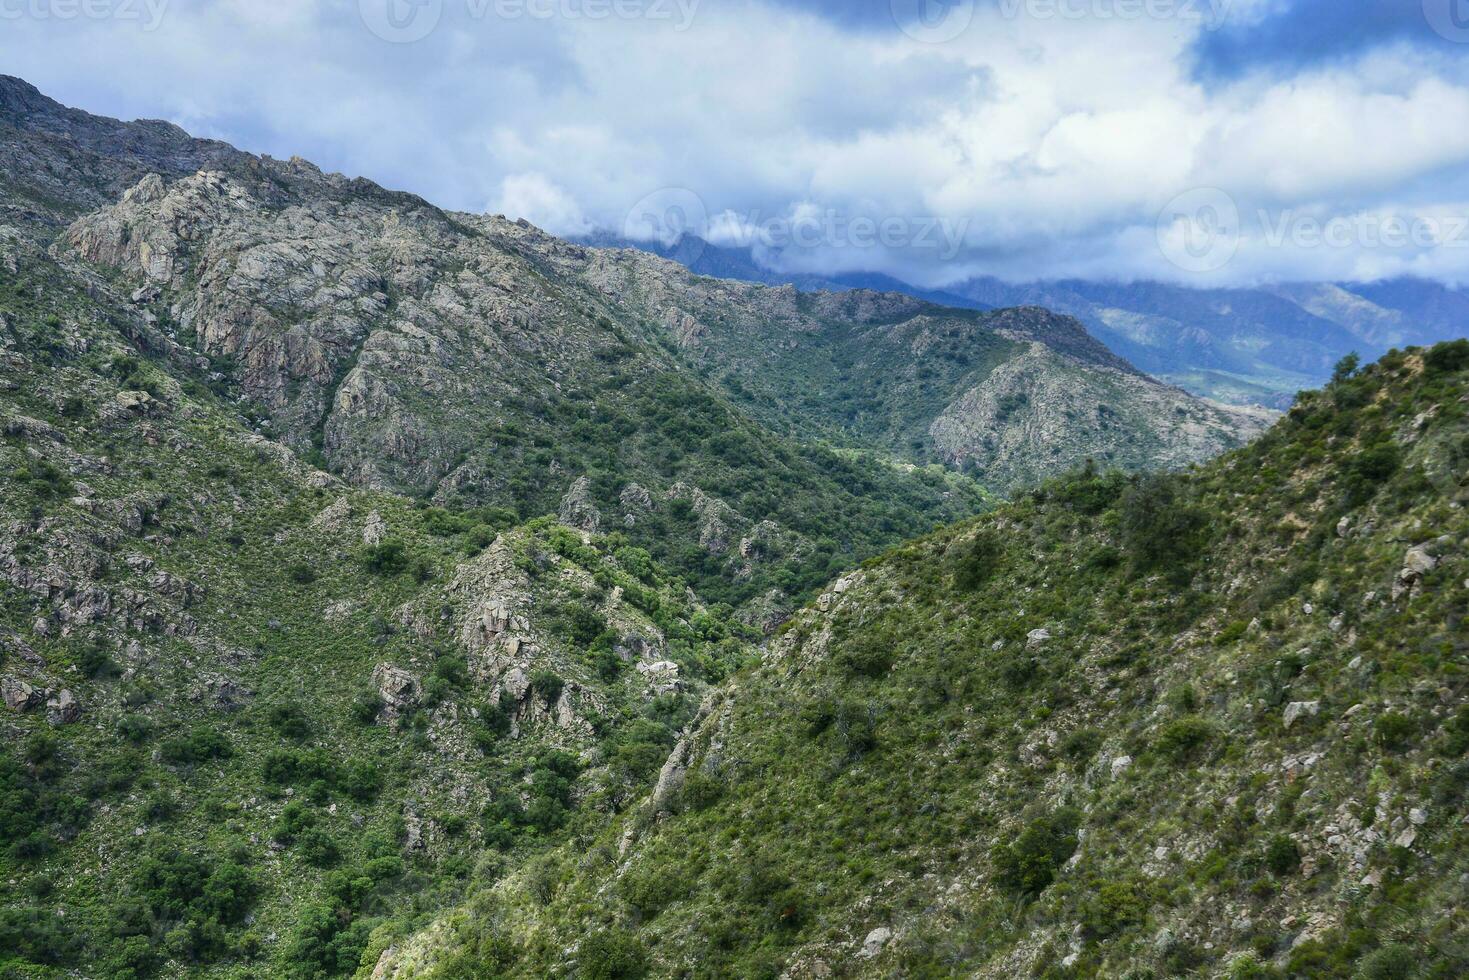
(62, 708)
(577, 508)
(400, 691)
(21, 696)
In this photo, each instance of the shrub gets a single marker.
(289, 721)
(295, 820)
(94, 662)
(651, 888)
(1081, 744)
(1282, 856)
(1395, 962)
(701, 790)
(387, 558)
(1444, 358)
(361, 780)
(610, 955)
(575, 623)
(366, 706)
(866, 656)
(548, 685)
(1182, 738)
(134, 728)
(318, 849)
(1028, 864)
(200, 745)
(978, 562)
(640, 749)
(1346, 368)
(44, 479)
(1368, 470)
(301, 573)
(1393, 731)
(1159, 529)
(1111, 908)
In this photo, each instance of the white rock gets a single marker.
(1296, 709)
(1417, 816)
(1120, 764)
(374, 530)
(1036, 637)
(875, 941)
(1417, 563)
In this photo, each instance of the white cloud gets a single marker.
(541, 202)
(1052, 144)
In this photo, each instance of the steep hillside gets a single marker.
(1010, 396)
(250, 713)
(448, 357)
(1210, 724)
(444, 354)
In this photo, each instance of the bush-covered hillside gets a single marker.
(251, 715)
(1206, 724)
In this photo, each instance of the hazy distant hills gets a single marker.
(1245, 346)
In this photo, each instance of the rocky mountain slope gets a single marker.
(355, 554)
(417, 350)
(1240, 346)
(251, 713)
(446, 356)
(1212, 724)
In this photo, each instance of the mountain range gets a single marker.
(392, 592)
(1241, 346)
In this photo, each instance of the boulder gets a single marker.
(20, 696)
(398, 688)
(1416, 564)
(1036, 638)
(632, 647)
(875, 941)
(662, 676)
(635, 500)
(517, 683)
(63, 709)
(577, 509)
(1120, 765)
(374, 530)
(1297, 709)
(134, 401)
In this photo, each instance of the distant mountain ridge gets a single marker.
(1242, 346)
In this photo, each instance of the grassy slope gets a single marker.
(910, 759)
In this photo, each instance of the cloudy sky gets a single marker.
(1201, 141)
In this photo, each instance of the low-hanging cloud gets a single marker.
(1030, 142)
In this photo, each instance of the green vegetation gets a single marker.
(1131, 794)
